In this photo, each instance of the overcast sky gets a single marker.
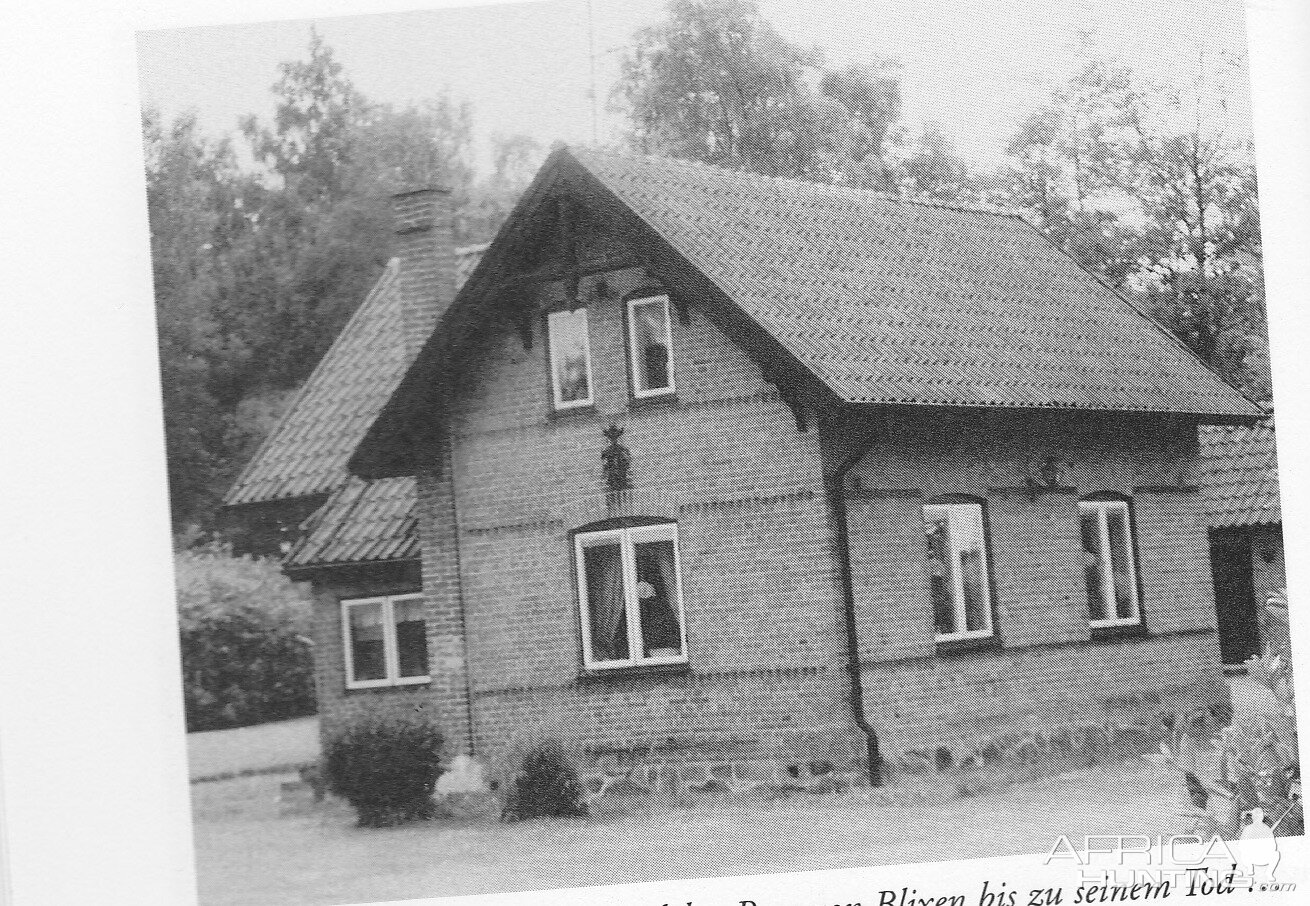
(972, 66)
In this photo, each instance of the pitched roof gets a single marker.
(888, 300)
(305, 454)
(363, 521)
(1238, 475)
(884, 300)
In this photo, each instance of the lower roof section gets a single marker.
(362, 522)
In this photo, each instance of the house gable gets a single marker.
(842, 296)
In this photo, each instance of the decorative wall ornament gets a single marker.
(1050, 475)
(616, 459)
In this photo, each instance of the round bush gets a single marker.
(546, 786)
(243, 627)
(386, 766)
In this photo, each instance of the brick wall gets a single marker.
(1047, 668)
(336, 704)
(966, 703)
(726, 462)
(763, 602)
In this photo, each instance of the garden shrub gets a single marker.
(386, 766)
(546, 786)
(244, 626)
(1257, 763)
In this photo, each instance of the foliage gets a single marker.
(386, 765)
(256, 270)
(545, 786)
(1143, 187)
(246, 658)
(715, 82)
(1257, 761)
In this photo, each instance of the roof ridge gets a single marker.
(812, 184)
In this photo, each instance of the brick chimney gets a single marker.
(425, 244)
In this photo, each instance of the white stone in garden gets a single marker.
(465, 775)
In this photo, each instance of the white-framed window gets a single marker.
(630, 595)
(650, 346)
(570, 358)
(1113, 598)
(385, 641)
(957, 570)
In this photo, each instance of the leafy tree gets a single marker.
(1065, 167)
(257, 270)
(715, 82)
(193, 200)
(934, 169)
(1200, 246)
(515, 159)
(870, 96)
(1141, 185)
(324, 232)
(312, 143)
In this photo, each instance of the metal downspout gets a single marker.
(837, 495)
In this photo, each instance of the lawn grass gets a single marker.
(253, 849)
(217, 754)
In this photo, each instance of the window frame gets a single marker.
(634, 363)
(628, 537)
(390, 646)
(560, 404)
(1101, 506)
(963, 633)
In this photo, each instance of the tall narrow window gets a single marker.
(570, 358)
(630, 588)
(1108, 567)
(650, 338)
(385, 641)
(957, 569)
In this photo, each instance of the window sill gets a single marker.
(381, 685)
(636, 671)
(951, 647)
(1113, 633)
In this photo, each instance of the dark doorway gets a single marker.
(1234, 595)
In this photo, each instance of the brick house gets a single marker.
(1239, 486)
(711, 476)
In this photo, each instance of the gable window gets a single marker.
(1108, 567)
(570, 358)
(386, 641)
(630, 591)
(957, 570)
(650, 339)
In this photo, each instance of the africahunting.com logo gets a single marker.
(1130, 868)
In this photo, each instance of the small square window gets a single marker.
(630, 588)
(385, 641)
(1108, 567)
(957, 570)
(650, 346)
(570, 358)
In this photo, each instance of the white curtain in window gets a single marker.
(604, 576)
